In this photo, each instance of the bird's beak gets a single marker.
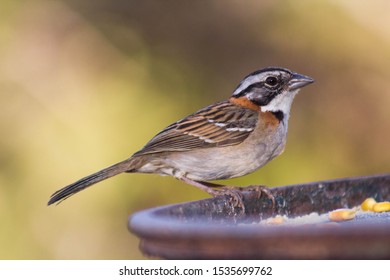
(298, 81)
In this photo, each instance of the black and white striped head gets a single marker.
(273, 89)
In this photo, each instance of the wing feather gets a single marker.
(221, 124)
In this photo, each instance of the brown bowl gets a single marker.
(215, 229)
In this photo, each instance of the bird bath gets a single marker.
(214, 229)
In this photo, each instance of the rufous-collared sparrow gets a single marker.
(224, 140)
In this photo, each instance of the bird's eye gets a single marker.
(271, 81)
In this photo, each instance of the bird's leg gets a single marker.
(221, 190)
(234, 191)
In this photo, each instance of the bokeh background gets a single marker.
(84, 84)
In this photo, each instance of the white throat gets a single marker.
(281, 102)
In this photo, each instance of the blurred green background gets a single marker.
(84, 84)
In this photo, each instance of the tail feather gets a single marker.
(90, 180)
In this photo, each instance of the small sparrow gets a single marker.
(227, 139)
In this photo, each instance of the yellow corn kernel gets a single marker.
(368, 204)
(277, 220)
(381, 206)
(342, 215)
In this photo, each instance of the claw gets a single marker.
(234, 193)
(260, 190)
(237, 198)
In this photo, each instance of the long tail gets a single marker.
(87, 181)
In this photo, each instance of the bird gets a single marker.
(227, 139)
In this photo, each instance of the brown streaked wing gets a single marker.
(218, 125)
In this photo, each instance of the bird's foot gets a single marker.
(257, 189)
(235, 192)
(261, 190)
(236, 197)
